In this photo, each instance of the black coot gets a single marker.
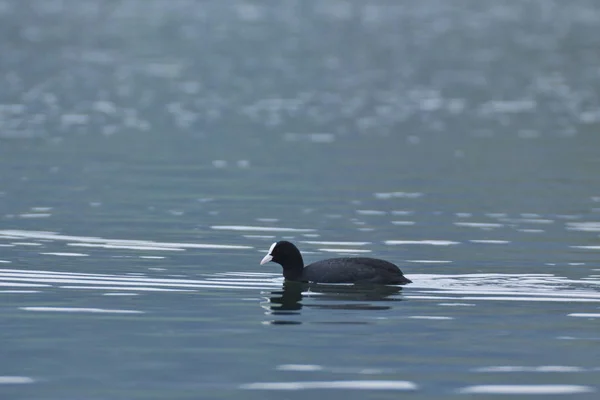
(333, 270)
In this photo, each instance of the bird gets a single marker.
(333, 270)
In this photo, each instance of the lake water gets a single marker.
(151, 152)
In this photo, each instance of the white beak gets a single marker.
(266, 259)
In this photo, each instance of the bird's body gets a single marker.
(334, 270)
(353, 270)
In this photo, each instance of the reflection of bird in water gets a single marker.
(288, 300)
(357, 292)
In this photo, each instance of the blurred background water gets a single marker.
(152, 150)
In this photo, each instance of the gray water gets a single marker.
(151, 152)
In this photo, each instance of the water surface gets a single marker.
(151, 152)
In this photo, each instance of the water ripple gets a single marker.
(449, 288)
(12, 380)
(358, 384)
(526, 389)
(80, 310)
(71, 280)
(112, 243)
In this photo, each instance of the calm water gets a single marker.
(151, 151)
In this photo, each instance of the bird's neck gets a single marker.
(292, 274)
(292, 269)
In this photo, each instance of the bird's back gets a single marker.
(354, 270)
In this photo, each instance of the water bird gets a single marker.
(333, 270)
